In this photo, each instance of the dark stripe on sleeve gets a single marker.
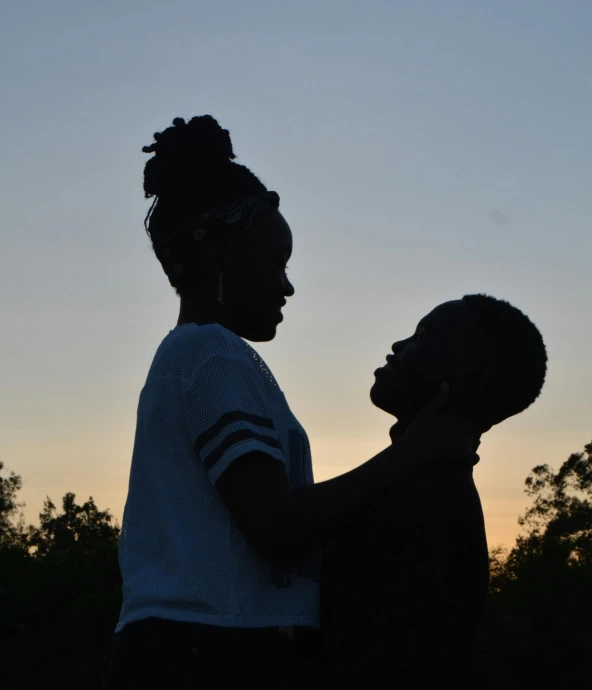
(231, 439)
(228, 418)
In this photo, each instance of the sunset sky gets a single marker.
(422, 150)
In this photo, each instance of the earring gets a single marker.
(220, 299)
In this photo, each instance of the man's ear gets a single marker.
(473, 384)
(470, 393)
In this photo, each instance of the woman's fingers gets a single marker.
(436, 403)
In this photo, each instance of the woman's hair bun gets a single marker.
(186, 153)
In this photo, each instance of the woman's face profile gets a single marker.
(255, 283)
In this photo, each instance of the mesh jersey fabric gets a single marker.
(208, 399)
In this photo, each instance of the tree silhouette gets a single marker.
(78, 529)
(537, 630)
(562, 510)
(60, 590)
(12, 534)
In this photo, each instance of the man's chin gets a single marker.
(400, 400)
(385, 400)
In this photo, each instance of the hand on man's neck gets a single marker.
(400, 427)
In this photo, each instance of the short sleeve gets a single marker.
(228, 414)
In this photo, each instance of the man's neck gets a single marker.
(400, 427)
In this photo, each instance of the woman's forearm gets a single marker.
(310, 515)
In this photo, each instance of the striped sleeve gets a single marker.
(228, 414)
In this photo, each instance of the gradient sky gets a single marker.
(422, 150)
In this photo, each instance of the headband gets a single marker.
(230, 220)
(222, 224)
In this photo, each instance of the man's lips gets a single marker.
(386, 369)
(391, 363)
(390, 367)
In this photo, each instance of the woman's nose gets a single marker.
(288, 287)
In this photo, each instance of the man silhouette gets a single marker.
(404, 585)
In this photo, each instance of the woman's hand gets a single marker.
(434, 435)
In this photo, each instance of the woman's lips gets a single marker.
(278, 312)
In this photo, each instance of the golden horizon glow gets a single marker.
(416, 162)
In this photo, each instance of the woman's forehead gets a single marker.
(273, 231)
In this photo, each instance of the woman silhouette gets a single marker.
(219, 548)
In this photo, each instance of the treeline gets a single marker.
(60, 590)
(60, 593)
(537, 632)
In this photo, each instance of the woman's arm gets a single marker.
(281, 523)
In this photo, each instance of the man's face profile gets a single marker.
(445, 347)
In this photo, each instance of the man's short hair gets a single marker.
(520, 357)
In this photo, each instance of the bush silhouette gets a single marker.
(60, 590)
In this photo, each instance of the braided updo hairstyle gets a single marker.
(192, 171)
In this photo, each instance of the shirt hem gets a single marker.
(220, 621)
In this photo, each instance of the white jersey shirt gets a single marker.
(209, 398)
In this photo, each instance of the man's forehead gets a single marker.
(454, 312)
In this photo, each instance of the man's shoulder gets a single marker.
(428, 508)
(427, 484)
(444, 484)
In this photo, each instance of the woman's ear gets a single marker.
(211, 260)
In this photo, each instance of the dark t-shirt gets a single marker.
(404, 585)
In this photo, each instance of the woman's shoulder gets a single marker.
(211, 338)
(187, 347)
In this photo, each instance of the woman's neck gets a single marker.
(196, 312)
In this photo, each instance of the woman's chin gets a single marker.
(262, 334)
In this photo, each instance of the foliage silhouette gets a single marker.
(537, 632)
(11, 531)
(60, 593)
(60, 590)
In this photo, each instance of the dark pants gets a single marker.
(155, 654)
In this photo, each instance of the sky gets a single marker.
(422, 151)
